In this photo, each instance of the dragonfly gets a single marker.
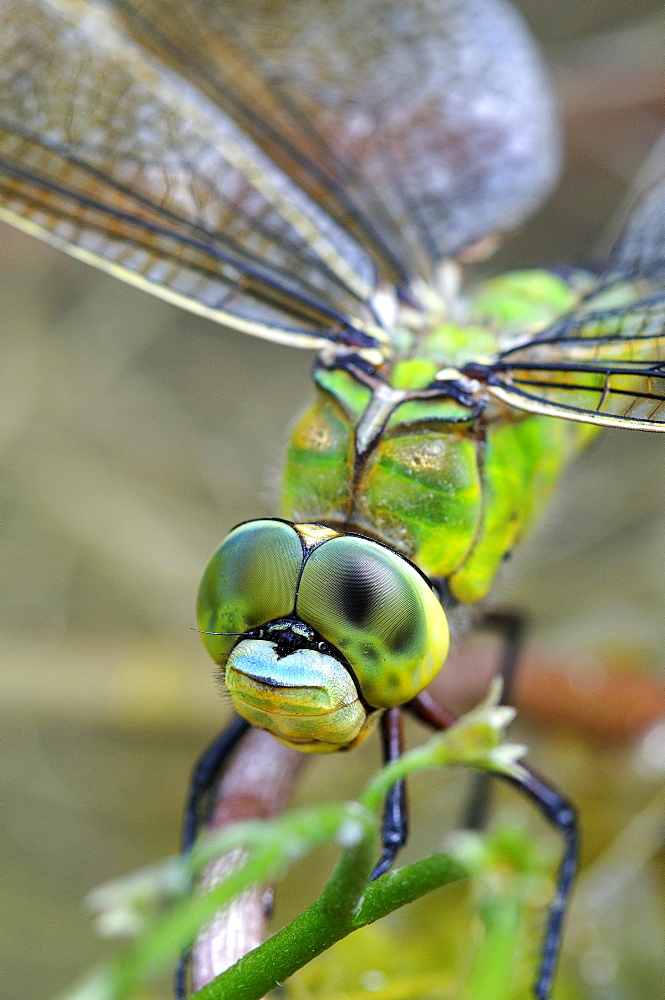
(320, 175)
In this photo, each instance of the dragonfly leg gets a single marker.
(394, 826)
(428, 710)
(561, 814)
(203, 777)
(204, 774)
(512, 628)
(558, 811)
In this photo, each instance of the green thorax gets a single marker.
(451, 488)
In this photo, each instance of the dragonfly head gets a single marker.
(316, 630)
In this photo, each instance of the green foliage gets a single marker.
(505, 873)
(469, 942)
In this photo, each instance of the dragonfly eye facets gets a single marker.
(380, 612)
(365, 630)
(250, 580)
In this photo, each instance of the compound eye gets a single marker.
(379, 612)
(251, 579)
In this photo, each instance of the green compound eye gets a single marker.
(251, 579)
(379, 612)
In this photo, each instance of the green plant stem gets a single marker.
(316, 929)
(348, 882)
(376, 789)
(268, 857)
(492, 970)
(347, 902)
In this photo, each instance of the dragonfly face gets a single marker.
(333, 628)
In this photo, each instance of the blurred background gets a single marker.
(133, 436)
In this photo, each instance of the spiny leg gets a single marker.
(203, 777)
(559, 812)
(394, 826)
(512, 628)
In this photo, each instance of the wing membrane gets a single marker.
(420, 126)
(113, 157)
(603, 363)
(605, 368)
(640, 249)
(243, 159)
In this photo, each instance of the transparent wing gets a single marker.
(640, 250)
(110, 155)
(602, 365)
(420, 126)
(604, 368)
(242, 159)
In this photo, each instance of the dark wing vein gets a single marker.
(598, 367)
(355, 135)
(110, 155)
(235, 83)
(603, 363)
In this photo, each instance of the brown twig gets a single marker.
(256, 784)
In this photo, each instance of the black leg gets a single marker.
(205, 771)
(561, 814)
(203, 777)
(558, 811)
(512, 628)
(394, 827)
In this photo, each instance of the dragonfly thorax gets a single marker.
(414, 453)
